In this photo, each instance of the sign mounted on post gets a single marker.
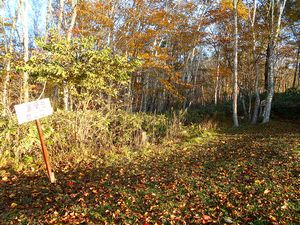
(36, 110)
(31, 111)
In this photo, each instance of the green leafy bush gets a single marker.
(82, 132)
(219, 114)
(287, 105)
(88, 71)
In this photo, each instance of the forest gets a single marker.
(164, 111)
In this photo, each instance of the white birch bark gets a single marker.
(202, 96)
(217, 78)
(145, 95)
(235, 69)
(48, 18)
(73, 19)
(60, 15)
(195, 80)
(256, 68)
(187, 76)
(275, 30)
(111, 15)
(296, 68)
(9, 52)
(66, 94)
(24, 19)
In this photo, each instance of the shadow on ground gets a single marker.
(246, 176)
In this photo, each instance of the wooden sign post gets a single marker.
(45, 152)
(33, 111)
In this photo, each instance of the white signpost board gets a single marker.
(31, 111)
(36, 110)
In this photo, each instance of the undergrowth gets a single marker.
(86, 135)
(287, 105)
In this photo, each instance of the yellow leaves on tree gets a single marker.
(242, 8)
(158, 17)
(93, 13)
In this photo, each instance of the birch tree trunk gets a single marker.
(217, 79)
(48, 18)
(202, 95)
(256, 68)
(59, 28)
(73, 19)
(111, 15)
(195, 81)
(297, 68)
(270, 84)
(266, 75)
(26, 49)
(145, 95)
(9, 52)
(272, 45)
(60, 15)
(187, 76)
(66, 93)
(235, 69)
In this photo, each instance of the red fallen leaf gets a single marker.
(207, 218)
(73, 195)
(247, 219)
(202, 221)
(70, 183)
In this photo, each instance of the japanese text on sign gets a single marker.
(30, 111)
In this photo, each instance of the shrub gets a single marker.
(215, 114)
(75, 134)
(287, 105)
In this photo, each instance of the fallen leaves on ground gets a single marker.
(244, 176)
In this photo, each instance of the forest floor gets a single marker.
(248, 175)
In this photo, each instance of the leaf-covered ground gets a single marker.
(244, 176)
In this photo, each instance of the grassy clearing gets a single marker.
(239, 176)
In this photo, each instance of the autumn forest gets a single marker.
(164, 111)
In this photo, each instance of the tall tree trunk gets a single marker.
(235, 69)
(271, 62)
(270, 90)
(9, 52)
(145, 95)
(249, 106)
(110, 36)
(267, 67)
(73, 19)
(66, 96)
(187, 77)
(5, 88)
(244, 105)
(202, 96)
(59, 28)
(48, 19)
(257, 97)
(66, 93)
(26, 49)
(296, 68)
(60, 15)
(217, 78)
(256, 68)
(129, 98)
(275, 30)
(195, 82)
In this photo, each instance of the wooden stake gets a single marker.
(45, 152)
